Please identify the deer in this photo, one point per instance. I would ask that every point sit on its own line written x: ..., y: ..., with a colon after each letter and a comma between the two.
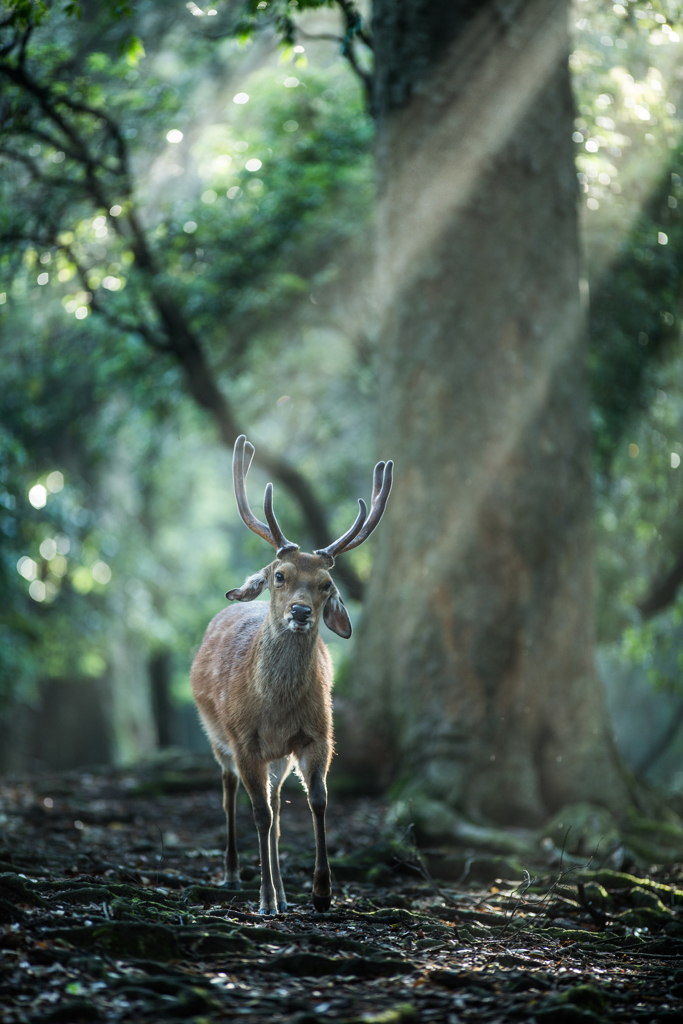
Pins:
x: 262, y: 682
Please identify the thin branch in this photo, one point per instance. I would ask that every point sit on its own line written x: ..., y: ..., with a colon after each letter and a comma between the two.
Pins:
x: 528, y: 880
x: 320, y: 36
x: 663, y: 592
x: 365, y: 77
x: 49, y: 180
x: 354, y: 22
x: 24, y: 45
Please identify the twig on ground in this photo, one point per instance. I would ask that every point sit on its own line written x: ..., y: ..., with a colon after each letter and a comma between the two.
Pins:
x: 160, y: 860
x: 526, y: 883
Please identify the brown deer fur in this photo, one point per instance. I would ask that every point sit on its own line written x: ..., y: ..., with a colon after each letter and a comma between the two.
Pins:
x: 262, y: 683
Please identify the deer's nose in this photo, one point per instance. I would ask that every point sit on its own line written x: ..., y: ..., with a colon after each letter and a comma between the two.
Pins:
x: 300, y: 612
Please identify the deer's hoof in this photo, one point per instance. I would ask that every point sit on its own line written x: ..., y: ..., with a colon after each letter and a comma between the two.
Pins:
x: 232, y: 883
x: 322, y: 903
x: 282, y: 907
x: 267, y: 912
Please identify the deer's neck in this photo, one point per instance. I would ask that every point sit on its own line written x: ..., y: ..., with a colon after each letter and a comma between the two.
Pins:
x: 286, y: 660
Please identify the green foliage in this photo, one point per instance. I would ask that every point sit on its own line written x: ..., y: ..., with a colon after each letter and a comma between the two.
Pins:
x: 630, y: 165
x: 105, y: 225
x: 628, y: 158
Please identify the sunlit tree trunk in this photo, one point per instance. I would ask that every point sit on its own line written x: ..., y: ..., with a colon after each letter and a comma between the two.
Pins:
x: 475, y: 657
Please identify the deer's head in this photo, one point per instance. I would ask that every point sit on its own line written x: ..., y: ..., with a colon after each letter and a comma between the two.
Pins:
x: 301, y: 588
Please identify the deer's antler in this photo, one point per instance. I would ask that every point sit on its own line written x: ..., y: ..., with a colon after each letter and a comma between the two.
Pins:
x: 241, y: 461
x: 362, y: 528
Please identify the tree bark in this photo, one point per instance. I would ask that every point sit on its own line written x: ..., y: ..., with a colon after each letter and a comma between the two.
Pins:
x: 162, y: 705
x: 475, y: 654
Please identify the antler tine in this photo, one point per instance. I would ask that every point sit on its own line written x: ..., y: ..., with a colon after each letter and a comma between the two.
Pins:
x: 377, y: 478
x: 279, y: 540
x: 333, y: 549
x: 248, y: 456
x: 240, y: 468
x: 382, y: 479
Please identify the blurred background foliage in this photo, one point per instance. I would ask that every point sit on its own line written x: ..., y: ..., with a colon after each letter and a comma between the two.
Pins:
x: 186, y: 204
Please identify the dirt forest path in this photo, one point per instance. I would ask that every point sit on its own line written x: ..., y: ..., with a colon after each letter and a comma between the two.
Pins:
x: 111, y: 910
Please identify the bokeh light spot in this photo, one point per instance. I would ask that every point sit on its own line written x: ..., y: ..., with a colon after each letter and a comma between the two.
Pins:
x: 27, y: 568
x: 241, y: 97
x: 101, y: 572
x: 633, y: 451
x: 63, y: 544
x: 38, y: 496
x: 48, y: 548
x: 174, y: 136
x: 55, y: 481
x: 189, y: 227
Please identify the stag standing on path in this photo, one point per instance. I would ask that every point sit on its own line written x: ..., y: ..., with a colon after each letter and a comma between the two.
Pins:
x: 262, y: 682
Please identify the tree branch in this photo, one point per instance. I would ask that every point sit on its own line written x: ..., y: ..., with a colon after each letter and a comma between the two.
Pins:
x: 354, y: 22
x: 182, y: 344
x: 663, y: 592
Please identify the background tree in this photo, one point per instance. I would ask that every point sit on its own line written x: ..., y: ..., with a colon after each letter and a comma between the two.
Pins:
x: 476, y: 653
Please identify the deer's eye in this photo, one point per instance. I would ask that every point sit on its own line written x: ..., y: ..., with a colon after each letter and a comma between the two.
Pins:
x: 326, y: 586
x: 279, y: 577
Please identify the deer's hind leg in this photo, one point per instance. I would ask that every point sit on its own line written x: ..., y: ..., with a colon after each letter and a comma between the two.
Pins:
x: 231, y: 782
x: 279, y: 770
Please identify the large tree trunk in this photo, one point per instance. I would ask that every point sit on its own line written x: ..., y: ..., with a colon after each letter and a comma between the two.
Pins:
x: 475, y: 656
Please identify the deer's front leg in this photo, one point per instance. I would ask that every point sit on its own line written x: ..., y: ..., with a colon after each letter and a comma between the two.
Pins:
x: 254, y: 776
x: 279, y: 770
x: 313, y: 763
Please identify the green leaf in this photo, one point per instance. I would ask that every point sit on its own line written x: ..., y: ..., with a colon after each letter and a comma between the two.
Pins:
x: 132, y: 50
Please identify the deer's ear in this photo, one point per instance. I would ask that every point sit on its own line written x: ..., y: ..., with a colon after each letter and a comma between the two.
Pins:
x: 335, y: 615
x: 251, y: 588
